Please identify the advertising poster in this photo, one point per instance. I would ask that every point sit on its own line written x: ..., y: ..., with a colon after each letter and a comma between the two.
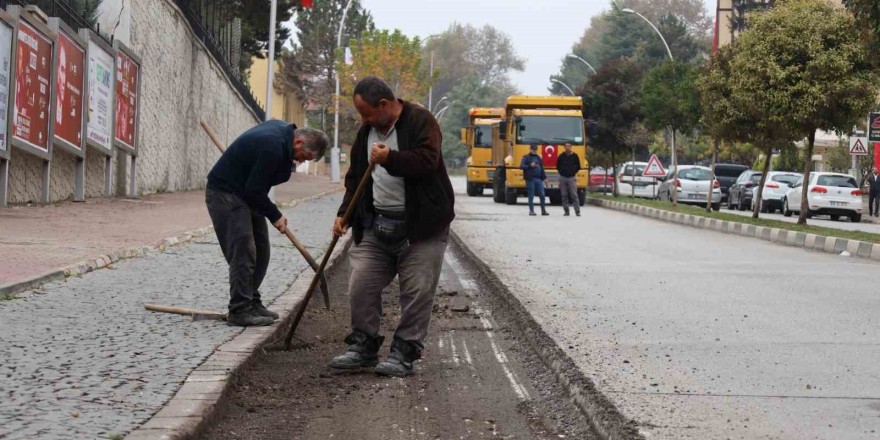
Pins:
x: 100, y: 96
x: 32, y: 77
x: 69, y: 81
x: 126, y: 99
x: 5, y: 70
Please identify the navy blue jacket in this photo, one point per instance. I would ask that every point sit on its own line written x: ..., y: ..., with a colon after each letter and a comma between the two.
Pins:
x: 259, y: 159
x: 530, y: 173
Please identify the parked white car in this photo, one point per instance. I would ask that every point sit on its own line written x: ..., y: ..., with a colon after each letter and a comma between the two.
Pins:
x: 832, y: 194
x: 631, y: 182
x: 777, y: 185
x: 694, y: 185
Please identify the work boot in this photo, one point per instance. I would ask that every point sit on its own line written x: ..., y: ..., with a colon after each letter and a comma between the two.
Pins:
x: 400, y: 361
x: 566, y: 212
x: 544, y: 212
x: 363, y: 351
x: 247, y: 318
x: 261, y: 310
x: 577, y: 213
x: 532, y: 213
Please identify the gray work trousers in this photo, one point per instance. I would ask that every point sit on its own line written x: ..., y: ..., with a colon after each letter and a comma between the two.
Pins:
x: 374, y: 265
x: 568, y: 190
x: 244, y: 240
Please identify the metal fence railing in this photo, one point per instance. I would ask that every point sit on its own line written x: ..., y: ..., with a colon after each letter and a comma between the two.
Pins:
x: 213, y: 21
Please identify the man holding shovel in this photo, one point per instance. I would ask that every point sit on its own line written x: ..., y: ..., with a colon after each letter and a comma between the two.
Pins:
x: 401, y: 225
x: 238, y: 202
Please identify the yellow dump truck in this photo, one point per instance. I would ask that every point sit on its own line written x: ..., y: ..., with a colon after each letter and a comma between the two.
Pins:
x: 548, y: 122
x: 478, y: 138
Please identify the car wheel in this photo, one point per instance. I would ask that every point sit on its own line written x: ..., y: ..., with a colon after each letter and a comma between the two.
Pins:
x: 716, y: 206
x: 785, y: 211
x: 741, y: 205
x: 835, y: 218
x: 765, y: 207
x: 855, y: 218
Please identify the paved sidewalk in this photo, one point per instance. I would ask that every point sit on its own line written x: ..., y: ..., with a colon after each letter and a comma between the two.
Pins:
x: 83, y: 359
x: 38, y: 239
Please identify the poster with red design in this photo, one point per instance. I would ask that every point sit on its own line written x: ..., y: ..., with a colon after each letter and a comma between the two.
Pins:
x: 5, y: 73
x: 549, y: 154
x: 127, y: 77
x: 33, y: 71
x: 69, y: 84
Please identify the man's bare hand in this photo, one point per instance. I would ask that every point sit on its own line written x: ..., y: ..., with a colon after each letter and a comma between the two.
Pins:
x: 339, y: 228
x: 379, y: 154
x: 281, y: 224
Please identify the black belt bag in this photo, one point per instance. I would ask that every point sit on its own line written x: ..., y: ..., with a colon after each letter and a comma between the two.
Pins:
x: 390, y: 228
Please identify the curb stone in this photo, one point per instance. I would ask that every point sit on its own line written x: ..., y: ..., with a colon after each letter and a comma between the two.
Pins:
x: 102, y: 261
x: 582, y: 392
x: 201, y: 397
x: 831, y: 245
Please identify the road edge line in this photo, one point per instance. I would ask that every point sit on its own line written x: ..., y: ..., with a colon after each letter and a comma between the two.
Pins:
x: 828, y: 244
x: 203, y: 395
x: 605, y: 418
x: 103, y: 261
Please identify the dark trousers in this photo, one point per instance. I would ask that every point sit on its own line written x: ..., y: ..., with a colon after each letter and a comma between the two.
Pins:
x: 244, y: 239
x: 568, y: 189
x: 874, y: 203
x: 535, y: 187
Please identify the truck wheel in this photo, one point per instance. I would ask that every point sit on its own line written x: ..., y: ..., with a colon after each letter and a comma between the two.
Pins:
x: 471, y: 190
x: 510, y: 196
x: 498, y: 191
x: 582, y: 197
x: 479, y: 190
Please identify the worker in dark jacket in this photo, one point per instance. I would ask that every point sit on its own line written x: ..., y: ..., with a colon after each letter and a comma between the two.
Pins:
x: 874, y: 193
x: 401, y: 226
x: 534, y: 175
x: 238, y: 202
x: 568, y: 164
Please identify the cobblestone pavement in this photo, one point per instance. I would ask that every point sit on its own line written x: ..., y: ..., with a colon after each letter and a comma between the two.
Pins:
x: 83, y: 359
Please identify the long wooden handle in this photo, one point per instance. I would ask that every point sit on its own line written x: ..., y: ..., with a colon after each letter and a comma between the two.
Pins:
x: 314, y: 264
x: 177, y: 310
x: 362, y: 185
x: 212, y: 136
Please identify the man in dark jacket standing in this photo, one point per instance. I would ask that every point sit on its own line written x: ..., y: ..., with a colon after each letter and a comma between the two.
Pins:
x: 238, y: 202
x: 568, y: 164
x: 874, y: 194
x: 401, y: 226
x: 534, y: 175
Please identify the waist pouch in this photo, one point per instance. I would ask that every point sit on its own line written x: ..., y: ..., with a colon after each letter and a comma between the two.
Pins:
x: 389, y: 228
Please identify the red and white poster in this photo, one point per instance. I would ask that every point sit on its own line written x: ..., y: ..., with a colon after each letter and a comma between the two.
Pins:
x: 127, y: 77
x: 33, y: 71
x: 69, y: 84
x: 549, y: 154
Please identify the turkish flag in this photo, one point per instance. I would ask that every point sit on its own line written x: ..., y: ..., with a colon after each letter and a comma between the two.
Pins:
x: 307, y: 3
x: 549, y: 154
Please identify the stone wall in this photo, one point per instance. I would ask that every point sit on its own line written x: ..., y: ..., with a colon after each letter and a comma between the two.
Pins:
x: 181, y: 86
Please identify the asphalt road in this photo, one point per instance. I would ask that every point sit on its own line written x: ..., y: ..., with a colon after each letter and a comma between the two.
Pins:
x: 695, y: 334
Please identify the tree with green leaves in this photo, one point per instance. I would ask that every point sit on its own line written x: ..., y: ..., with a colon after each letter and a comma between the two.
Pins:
x: 87, y: 9
x: 792, y: 87
x: 612, y: 97
x: 867, y: 13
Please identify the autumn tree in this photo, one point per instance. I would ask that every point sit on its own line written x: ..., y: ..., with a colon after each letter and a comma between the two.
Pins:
x: 820, y: 80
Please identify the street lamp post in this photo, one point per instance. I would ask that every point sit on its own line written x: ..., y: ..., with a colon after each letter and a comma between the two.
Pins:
x: 671, y: 129
x: 563, y: 85
x: 431, y: 87
x: 334, y: 153
x: 571, y: 55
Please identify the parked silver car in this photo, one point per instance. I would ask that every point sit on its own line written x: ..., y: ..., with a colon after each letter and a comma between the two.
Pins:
x: 694, y: 184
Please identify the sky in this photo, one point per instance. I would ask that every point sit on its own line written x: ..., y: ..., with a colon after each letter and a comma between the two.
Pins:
x: 543, y: 31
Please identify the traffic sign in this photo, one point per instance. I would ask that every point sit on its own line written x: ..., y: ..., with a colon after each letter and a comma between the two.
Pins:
x: 858, y: 146
x: 874, y: 127
x: 654, y: 169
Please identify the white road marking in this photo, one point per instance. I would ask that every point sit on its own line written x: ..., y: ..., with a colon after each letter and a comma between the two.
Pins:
x: 455, y: 357
x: 467, y: 353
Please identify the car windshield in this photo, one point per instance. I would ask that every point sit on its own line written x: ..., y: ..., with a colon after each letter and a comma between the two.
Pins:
x: 787, y: 179
x: 695, y: 174
x: 629, y: 170
x: 550, y: 130
x: 483, y: 136
x: 728, y: 172
x: 842, y: 181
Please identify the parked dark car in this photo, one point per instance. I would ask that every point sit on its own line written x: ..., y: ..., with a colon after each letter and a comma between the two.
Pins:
x: 739, y: 195
x: 727, y: 173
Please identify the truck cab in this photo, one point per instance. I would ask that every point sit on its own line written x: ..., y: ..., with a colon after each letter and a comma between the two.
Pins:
x: 478, y: 138
x: 548, y: 122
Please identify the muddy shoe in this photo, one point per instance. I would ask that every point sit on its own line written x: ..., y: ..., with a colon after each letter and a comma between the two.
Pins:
x: 261, y: 310
x: 247, y: 318
x: 400, y: 361
x: 363, y: 351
